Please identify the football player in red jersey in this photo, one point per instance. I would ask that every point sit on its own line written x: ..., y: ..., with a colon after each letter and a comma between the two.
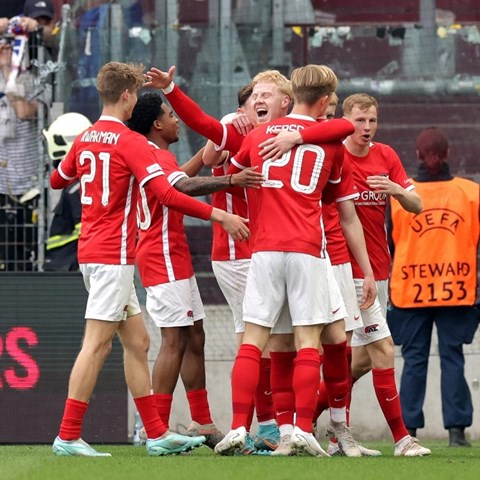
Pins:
x: 271, y: 99
x: 288, y: 255
x: 378, y: 173
x: 111, y: 161
x: 165, y: 266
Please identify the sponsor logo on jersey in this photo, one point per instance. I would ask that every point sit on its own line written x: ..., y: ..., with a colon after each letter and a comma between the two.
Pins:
x: 372, y: 328
x: 154, y: 168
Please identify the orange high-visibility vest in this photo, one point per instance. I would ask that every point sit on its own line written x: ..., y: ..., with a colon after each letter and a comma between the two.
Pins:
x: 435, y: 259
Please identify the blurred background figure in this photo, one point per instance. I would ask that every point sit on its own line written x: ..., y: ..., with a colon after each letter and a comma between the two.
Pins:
x: 61, y: 248
x: 434, y: 282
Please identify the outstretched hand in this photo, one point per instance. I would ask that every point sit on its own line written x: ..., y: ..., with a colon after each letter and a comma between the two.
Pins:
x: 156, y: 78
x: 275, y: 147
x: 248, y: 178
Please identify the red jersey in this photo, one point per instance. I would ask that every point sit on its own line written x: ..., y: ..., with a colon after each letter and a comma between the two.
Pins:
x: 334, y: 193
x: 285, y: 213
x: 110, y: 160
x: 371, y: 206
x: 162, y: 252
x: 224, y: 247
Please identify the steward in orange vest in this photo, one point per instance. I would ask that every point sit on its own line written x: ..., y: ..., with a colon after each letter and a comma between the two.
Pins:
x: 434, y: 281
x: 435, y: 262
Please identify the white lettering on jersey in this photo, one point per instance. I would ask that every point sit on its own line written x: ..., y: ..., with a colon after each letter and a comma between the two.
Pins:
x: 278, y: 128
x: 100, y: 137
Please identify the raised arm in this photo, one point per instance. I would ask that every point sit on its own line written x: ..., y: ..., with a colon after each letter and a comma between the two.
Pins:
x: 191, y: 113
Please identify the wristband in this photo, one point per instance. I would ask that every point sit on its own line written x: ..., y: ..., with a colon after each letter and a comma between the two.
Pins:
x: 168, y: 89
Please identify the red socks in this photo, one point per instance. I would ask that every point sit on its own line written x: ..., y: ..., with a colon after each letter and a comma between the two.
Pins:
x: 152, y: 422
x: 163, y: 402
x: 263, y: 394
x: 71, y: 426
x: 387, y: 395
x: 335, y: 374
x: 282, y: 366
x: 306, y: 378
x: 245, y: 378
x: 199, y: 408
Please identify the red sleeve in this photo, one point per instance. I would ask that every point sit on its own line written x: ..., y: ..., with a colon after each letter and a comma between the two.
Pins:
x: 194, y: 117
x: 65, y: 174
x: 328, y: 131
x: 226, y: 136
x: 336, y: 173
x: 170, y: 197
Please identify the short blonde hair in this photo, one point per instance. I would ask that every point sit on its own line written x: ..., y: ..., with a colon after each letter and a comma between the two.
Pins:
x: 361, y: 100
x: 311, y: 82
x: 333, y: 100
x: 274, y: 76
x: 116, y: 77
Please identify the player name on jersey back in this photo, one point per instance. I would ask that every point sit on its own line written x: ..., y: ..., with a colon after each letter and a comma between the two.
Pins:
x: 96, y: 136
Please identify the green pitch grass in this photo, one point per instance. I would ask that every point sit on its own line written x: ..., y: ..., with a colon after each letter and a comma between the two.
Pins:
x: 37, y: 462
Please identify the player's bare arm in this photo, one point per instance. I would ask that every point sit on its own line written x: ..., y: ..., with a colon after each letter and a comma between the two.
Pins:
x: 211, y: 156
x: 156, y: 78
x: 247, y: 178
x: 409, y: 199
x: 194, y: 165
x: 353, y: 232
x: 233, y: 224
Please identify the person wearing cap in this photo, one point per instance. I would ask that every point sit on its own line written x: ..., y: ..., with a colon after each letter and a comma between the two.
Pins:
x: 36, y: 14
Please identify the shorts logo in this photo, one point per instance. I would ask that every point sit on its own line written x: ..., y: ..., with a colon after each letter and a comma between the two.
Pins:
x: 125, y: 309
x: 190, y: 314
x: 372, y: 328
x: 356, y: 318
x: 335, y: 311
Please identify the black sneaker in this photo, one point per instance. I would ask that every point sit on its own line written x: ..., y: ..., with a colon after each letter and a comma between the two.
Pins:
x: 457, y: 437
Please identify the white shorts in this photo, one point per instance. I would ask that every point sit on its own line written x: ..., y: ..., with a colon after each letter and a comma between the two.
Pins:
x: 175, y: 304
x: 375, y: 325
x: 111, y: 292
x: 344, y: 277
x: 303, y: 279
x: 231, y: 277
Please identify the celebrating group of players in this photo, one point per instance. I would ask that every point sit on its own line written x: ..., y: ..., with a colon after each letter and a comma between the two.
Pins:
x: 306, y: 275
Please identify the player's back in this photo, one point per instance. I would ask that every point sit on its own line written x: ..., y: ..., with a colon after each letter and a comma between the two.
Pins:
x: 286, y: 212
x: 107, y: 157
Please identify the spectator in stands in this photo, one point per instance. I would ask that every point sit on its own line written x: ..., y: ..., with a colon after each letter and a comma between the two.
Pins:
x: 19, y: 159
x: 433, y: 281
x: 36, y: 14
